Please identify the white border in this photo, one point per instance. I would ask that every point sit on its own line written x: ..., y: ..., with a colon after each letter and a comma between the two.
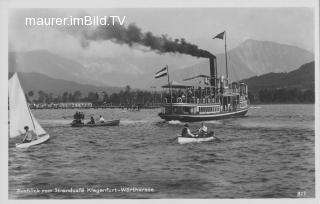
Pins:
x: 158, y: 3
x: 6, y: 4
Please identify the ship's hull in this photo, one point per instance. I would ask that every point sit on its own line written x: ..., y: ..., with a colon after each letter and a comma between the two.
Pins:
x: 204, y: 117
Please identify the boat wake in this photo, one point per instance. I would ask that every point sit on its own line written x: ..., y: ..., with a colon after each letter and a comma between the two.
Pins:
x: 54, y: 123
x: 175, y: 122
x: 255, y: 107
x: 213, y: 122
x: 129, y: 122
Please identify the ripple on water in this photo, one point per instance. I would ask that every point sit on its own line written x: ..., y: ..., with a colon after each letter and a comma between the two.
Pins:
x: 270, y: 153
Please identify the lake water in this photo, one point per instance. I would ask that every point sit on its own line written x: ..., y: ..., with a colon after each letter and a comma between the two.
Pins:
x: 267, y: 154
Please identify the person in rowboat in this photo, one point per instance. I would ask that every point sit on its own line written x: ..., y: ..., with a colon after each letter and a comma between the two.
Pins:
x: 28, y: 135
x: 91, y: 120
x: 203, y: 130
x: 186, y: 132
x: 101, y: 119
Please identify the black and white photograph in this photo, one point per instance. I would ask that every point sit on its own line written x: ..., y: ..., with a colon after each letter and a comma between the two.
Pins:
x: 164, y: 101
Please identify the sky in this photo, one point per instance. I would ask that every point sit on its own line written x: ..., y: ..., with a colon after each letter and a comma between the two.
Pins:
x: 292, y: 26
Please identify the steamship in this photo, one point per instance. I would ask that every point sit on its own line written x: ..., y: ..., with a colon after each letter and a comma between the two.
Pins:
x: 214, y: 99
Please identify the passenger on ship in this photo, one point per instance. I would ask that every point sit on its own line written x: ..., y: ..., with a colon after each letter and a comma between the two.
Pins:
x: 186, y: 132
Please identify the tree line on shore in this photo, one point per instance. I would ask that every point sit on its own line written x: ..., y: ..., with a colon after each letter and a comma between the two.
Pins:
x: 129, y: 97
x: 283, y: 95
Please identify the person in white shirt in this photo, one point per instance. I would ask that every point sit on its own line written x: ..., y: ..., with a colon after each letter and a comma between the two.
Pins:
x: 101, y: 119
x: 203, y: 130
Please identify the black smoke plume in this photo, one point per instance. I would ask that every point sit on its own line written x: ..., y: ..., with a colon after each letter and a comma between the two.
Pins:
x: 132, y: 35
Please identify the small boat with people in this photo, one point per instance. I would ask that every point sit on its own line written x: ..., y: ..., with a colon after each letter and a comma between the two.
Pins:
x: 22, y: 122
x: 79, y: 117
x: 185, y: 140
x: 201, y: 135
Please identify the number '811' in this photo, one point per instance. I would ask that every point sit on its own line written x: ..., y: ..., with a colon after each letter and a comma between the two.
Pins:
x: 301, y: 194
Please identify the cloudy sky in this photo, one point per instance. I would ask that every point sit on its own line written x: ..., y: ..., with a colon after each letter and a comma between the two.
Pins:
x: 292, y: 26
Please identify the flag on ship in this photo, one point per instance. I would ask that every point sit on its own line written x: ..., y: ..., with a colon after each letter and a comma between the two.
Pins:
x: 161, y: 73
x: 220, y: 35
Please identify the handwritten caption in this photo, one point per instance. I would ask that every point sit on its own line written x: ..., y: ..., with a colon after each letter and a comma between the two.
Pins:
x: 86, y: 190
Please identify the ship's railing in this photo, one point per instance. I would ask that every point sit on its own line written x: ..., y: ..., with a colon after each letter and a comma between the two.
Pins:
x: 193, y: 100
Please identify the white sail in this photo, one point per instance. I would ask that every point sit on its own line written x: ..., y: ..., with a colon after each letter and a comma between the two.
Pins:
x: 19, y: 112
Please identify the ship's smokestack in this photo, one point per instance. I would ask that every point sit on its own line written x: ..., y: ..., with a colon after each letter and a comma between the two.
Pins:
x: 213, y: 70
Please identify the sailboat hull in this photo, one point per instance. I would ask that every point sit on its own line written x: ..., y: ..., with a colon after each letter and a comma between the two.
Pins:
x: 41, y: 140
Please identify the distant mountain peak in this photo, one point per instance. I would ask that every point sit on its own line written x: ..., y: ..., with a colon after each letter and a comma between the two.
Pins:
x: 253, y: 42
x: 254, y: 58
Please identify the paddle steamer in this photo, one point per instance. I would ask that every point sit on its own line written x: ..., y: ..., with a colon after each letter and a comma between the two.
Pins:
x: 214, y: 99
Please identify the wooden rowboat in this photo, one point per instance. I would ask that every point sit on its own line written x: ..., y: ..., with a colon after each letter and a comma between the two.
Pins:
x: 98, y: 124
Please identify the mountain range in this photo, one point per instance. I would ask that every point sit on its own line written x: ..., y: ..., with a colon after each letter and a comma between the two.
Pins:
x: 302, y: 78
x: 251, y: 58
x: 35, y: 82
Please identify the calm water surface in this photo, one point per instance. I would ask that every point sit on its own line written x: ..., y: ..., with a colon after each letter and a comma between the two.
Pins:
x: 268, y: 153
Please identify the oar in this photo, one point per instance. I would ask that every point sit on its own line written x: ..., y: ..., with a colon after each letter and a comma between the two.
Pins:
x: 173, y: 139
x: 218, y: 139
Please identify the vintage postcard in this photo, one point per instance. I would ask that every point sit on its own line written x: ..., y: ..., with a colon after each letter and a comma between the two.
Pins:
x: 161, y: 100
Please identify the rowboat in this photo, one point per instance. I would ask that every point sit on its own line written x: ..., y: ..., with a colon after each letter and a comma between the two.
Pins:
x: 98, y: 124
x: 185, y: 140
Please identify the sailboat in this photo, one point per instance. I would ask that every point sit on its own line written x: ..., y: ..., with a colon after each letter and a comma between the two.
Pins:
x: 21, y: 116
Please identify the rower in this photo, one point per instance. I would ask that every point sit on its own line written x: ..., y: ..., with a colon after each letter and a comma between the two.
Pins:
x: 186, y: 132
x: 101, y: 119
x: 91, y: 120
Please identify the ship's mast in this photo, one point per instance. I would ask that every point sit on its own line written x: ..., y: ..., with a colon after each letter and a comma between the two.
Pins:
x: 225, y: 53
x: 170, y: 89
